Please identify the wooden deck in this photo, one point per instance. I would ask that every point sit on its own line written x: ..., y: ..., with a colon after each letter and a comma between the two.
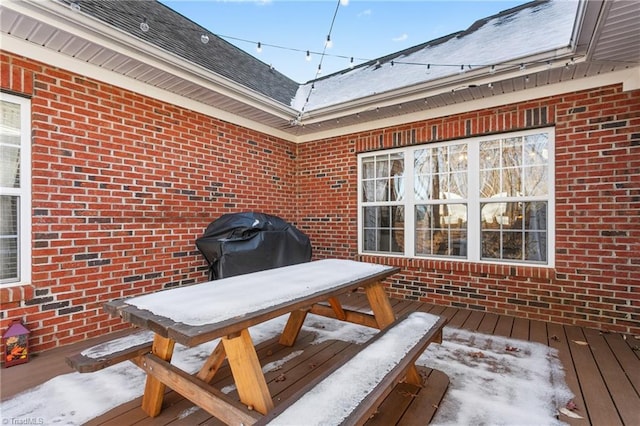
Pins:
x: 601, y: 369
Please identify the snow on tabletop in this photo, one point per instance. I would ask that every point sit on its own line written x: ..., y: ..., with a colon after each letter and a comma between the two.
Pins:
x: 333, y: 399
x: 220, y: 300
x: 532, y: 30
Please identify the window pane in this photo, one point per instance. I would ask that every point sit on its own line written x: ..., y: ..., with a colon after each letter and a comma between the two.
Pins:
x: 10, y: 145
x: 535, y: 225
x: 397, y: 177
x: 423, y: 180
x: 383, y: 229
x: 511, y: 152
x: 9, y: 166
x: 511, y: 182
x: 535, y: 181
x: 441, y: 229
x: 512, y: 245
x: 9, y: 238
x: 368, y: 168
x: 536, y: 149
x: 441, y: 173
x: 490, y: 154
x: 490, y: 183
x: 514, y: 231
x: 368, y: 191
x: 383, y: 178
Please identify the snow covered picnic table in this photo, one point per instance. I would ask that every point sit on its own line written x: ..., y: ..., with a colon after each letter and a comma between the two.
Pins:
x: 226, y: 309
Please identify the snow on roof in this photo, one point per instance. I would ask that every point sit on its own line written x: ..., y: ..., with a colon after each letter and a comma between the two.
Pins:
x: 516, y: 33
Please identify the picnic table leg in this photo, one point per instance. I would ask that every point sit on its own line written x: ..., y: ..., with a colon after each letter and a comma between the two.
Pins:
x: 212, y: 364
x: 247, y: 372
x: 383, y: 311
x: 380, y: 304
x: 293, y: 326
x: 154, y: 388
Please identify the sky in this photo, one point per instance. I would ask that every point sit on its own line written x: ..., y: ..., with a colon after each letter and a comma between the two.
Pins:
x: 360, y: 29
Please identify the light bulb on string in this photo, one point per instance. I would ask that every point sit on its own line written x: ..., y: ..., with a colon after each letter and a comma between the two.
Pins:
x: 329, y: 43
x: 75, y: 6
x: 308, y: 57
x: 351, y: 63
x: 319, y: 69
x: 144, y: 25
x: 259, y: 47
x: 204, y: 39
x: 344, y: 2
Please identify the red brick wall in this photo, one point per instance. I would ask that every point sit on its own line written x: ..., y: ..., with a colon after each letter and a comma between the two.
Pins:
x: 596, y: 280
x: 122, y: 186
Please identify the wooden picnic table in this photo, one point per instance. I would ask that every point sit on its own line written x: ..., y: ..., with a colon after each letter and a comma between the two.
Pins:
x: 226, y: 309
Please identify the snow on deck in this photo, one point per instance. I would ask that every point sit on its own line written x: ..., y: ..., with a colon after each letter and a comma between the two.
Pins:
x: 333, y: 399
x: 220, y: 300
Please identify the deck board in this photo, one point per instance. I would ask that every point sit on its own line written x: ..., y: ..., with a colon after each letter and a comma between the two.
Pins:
x: 596, y: 396
x: 603, y: 374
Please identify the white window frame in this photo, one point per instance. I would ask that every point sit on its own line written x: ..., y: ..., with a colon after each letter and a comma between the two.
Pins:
x: 24, y: 192
x: 473, y: 179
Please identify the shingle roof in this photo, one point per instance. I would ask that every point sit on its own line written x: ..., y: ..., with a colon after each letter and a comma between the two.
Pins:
x: 174, y: 33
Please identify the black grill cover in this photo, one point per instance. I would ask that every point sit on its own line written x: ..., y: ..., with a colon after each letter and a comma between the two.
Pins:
x: 239, y: 243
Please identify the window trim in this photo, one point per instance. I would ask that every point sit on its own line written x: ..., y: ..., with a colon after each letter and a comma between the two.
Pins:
x: 24, y: 192
x: 474, y: 225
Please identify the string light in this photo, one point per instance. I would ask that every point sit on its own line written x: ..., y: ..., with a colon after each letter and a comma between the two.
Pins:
x: 308, y: 57
x: 204, y: 39
x: 351, y: 63
x: 259, y: 47
x: 75, y: 6
x: 329, y: 43
x: 144, y: 25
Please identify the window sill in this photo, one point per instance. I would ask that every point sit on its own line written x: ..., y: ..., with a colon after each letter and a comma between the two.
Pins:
x: 527, y: 271
x: 16, y: 293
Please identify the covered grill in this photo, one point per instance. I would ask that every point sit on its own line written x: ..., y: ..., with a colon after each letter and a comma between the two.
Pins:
x: 239, y: 243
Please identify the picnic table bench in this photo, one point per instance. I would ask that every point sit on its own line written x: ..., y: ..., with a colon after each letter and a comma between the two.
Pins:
x: 366, y: 379
x: 227, y: 308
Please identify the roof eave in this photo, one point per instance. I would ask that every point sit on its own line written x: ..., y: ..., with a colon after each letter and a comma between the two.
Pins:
x: 97, y: 31
x: 431, y: 88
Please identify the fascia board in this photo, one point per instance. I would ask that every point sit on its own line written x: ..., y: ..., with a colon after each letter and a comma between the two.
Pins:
x: 95, y: 31
x: 44, y: 55
x: 630, y: 79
